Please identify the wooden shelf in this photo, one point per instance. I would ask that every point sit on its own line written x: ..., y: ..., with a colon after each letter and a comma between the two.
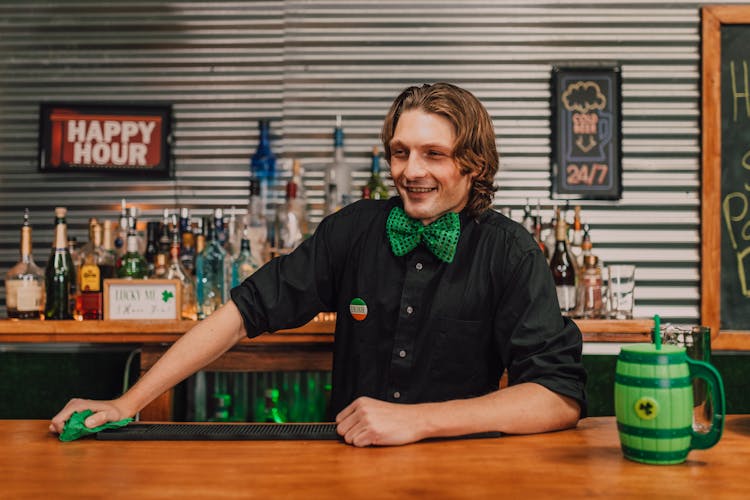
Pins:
x: 316, y: 331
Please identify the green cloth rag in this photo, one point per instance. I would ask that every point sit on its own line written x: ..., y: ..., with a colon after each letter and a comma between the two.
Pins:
x: 75, y: 428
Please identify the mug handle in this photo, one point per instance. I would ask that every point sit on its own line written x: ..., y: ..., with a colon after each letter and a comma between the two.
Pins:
x: 699, y: 369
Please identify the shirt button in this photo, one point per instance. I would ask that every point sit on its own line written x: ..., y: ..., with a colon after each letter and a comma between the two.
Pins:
x: 419, y: 266
x: 401, y: 353
x: 396, y: 395
x: 409, y: 309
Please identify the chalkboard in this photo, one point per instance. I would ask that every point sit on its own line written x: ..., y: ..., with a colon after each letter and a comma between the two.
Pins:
x: 725, y: 211
x: 585, y: 125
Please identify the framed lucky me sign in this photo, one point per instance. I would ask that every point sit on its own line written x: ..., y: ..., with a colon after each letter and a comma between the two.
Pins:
x: 132, y: 138
x: 586, y: 151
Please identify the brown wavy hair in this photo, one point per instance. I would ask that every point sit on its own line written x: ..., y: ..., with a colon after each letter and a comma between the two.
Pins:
x: 475, y: 151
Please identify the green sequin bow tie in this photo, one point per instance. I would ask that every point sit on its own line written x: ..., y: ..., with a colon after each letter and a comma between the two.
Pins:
x: 440, y: 237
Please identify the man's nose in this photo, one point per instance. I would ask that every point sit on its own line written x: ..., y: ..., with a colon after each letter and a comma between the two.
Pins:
x: 414, y: 167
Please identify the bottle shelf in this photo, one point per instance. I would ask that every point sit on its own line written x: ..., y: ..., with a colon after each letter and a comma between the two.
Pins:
x: 318, y: 331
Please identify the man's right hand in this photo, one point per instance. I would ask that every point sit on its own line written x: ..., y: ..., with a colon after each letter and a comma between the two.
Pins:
x: 104, y: 411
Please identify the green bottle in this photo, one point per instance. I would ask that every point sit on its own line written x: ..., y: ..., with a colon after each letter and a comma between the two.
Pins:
x: 133, y: 265
x: 375, y: 188
x: 60, y: 272
x: 272, y: 412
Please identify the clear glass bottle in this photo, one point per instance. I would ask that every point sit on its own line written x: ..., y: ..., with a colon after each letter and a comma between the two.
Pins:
x: 255, y: 224
x: 538, y: 234
x: 211, y: 270
x: 60, y: 273
x: 108, y: 232
x: 576, y: 235
x: 233, y: 230
x: 563, y: 269
x: 187, y: 241
x: 244, y: 264
x: 549, y: 235
x: 291, y: 222
x: 338, y: 176
x: 24, y: 282
x: 121, y: 234
x: 175, y: 270
x: 591, y: 297
x: 375, y: 188
x: 528, y: 221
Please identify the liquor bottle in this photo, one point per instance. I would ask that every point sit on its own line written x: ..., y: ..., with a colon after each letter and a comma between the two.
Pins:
x: 175, y: 270
x: 528, y: 221
x: 133, y: 265
x: 108, y: 231
x: 590, y: 298
x: 338, y: 176
x: 59, y: 274
x: 75, y: 256
x: 121, y: 236
x: 152, y: 245
x: 161, y: 260
x: 233, y: 231
x: 24, y: 282
x: 538, y: 234
x: 211, y: 270
x: 263, y: 164
x: 576, y: 235
x: 187, y: 242
x: 300, y: 201
x: 586, y: 246
x: 96, y: 265
x: 199, y: 232
x: 549, y: 237
x: 244, y: 264
x: 375, y: 188
x: 291, y: 222
x: 563, y: 269
x: 256, y: 224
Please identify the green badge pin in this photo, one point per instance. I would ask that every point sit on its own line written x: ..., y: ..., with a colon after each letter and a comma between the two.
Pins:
x: 358, y: 309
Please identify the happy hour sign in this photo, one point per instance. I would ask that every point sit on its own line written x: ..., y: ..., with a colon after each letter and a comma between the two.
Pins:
x: 104, y: 137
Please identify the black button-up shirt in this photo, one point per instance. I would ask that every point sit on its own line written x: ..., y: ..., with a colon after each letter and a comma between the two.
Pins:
x: 428, y: 330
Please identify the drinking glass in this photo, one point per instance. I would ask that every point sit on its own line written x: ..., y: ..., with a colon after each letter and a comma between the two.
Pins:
x: 620, y: 291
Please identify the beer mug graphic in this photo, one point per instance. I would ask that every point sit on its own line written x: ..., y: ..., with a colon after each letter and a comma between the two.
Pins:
x: 654, y: 403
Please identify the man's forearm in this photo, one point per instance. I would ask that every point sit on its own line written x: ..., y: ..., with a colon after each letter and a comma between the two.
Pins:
x: 520, y: 409
x: 202, y: 344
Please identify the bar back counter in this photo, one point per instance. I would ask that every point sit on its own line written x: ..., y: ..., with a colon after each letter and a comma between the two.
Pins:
x: 307, y: 348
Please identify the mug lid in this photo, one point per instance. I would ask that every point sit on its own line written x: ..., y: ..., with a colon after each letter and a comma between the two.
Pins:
x: 639, y: 353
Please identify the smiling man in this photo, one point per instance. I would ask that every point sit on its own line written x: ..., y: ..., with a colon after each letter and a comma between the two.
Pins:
x: 436, y: 295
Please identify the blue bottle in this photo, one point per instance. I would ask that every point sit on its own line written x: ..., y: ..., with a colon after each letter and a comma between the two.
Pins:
x: 211, y: 271
x: 263, y: 162
x: 263, y: 170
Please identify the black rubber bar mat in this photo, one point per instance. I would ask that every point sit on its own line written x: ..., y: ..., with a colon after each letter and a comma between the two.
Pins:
x: 220, y: 432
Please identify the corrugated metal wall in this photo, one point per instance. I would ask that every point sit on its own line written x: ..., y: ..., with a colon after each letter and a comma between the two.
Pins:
x: 223, y: 65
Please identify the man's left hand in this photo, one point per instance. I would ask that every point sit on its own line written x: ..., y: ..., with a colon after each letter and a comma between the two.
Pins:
x: 368, y: 421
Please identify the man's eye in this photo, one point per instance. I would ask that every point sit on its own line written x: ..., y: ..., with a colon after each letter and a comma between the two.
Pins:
x: 435, y: 153
x: 399, y: 153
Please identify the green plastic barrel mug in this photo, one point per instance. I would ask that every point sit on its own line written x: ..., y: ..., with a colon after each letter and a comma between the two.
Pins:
x: 654, y: 403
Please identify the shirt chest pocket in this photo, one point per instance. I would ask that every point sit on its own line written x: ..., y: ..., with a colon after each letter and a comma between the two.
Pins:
x: 462, y: 354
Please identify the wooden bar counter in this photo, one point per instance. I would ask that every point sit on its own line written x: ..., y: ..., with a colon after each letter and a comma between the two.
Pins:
x: 577, y: 463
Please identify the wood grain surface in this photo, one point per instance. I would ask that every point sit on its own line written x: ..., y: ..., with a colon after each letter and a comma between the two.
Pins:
x: 577, y: 463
